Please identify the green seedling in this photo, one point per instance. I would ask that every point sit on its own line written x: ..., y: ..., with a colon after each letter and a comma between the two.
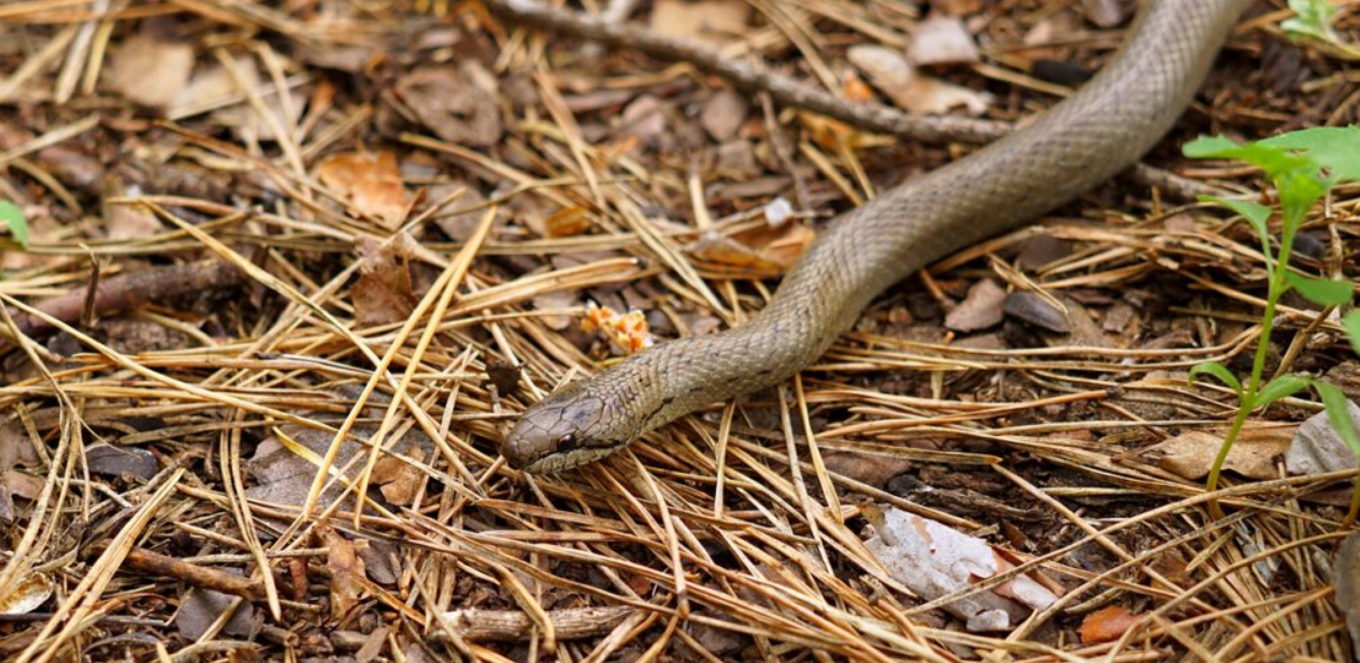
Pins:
x: 12, y: 219
x: 1312, y: 21
x: 1302, y: 166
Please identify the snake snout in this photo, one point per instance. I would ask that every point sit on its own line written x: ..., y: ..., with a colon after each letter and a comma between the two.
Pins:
x: 556, y: 434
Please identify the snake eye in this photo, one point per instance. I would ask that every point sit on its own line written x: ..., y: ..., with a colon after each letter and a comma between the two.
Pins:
x: 566, y: 443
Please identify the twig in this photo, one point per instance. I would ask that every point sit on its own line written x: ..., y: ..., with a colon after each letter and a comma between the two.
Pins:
x: 156, y: 564
x: 130, y: 291
x: 756, y: 77
x: 513, y: 625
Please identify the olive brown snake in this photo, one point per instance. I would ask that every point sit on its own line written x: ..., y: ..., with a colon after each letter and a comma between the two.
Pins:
x: 1079, y: 143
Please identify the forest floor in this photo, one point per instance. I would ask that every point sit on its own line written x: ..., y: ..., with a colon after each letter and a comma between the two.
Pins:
x: 386, y: 224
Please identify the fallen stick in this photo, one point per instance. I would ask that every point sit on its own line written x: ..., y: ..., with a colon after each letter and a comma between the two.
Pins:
x: 755, y: 76
x: 131, y: 291
x: 512, y: 625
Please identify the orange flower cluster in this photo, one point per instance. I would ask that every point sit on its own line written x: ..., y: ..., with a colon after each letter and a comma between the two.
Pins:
x: 627, y: 332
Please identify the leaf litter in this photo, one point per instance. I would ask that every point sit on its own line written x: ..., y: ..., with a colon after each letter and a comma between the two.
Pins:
x: 354, y: 167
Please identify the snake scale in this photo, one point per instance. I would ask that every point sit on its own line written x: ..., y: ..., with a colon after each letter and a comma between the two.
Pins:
x: 1074, y: 146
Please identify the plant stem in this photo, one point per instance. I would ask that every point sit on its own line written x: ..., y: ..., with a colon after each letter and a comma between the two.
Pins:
x: 1248, y: 399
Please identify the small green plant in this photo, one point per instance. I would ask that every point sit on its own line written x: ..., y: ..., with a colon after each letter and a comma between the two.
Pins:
x: 1312, y: 20
x: 1303, y: 166
x: 12, y: 218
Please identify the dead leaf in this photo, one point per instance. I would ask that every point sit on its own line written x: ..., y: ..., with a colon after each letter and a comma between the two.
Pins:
x: 149, y: 71
x: 458, y: 225
x: 347, y: 571
x: 203, y: 607
x: 1346, y: 579
x: 1105, y: 13
x: 449, y: 102
x: 383, y: 293
x: 399, y: 481
x: 759, y: 250
x: 644, y: 119
x: 894, y: 76
x: 711, y: 21
x: 27, y: 595
x: 1191, y: 455
x: 942, y: 40
x: 1316, y: 448
x: 1037, y: 311
x: 1106, y: 625
x: 934, y: 560
x: 723, y: 115
x: 980, y: 309
x: 370, y: 183
x: 872, y: 469
x: 109, y: 460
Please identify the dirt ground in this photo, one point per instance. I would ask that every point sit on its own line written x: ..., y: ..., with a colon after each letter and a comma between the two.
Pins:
x: 339, y: 246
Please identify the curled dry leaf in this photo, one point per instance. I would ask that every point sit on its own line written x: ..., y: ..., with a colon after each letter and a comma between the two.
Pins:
x: 627, y: 332
x: 383, y: 293
x: 759, y: 251
x: 347, y: 571
x: 149, y: 71
x: 980, y: 309
x: 711, y: 21
x: 371, y: 183
x: 934, y: 560
x: 451, y: 104
x: 27, y: 595
x: 1106, y: 625
x: 896, y: 77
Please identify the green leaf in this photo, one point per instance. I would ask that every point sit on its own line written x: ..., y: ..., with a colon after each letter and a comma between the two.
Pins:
x: 1312, y: 18
x: 1325, y: 292
x: 1255, y: 214
x: 1338, y: 413
x: 1299, y: 191
x: 1275, y: 161
x: 13, y: 218
x: 1219, y: 371
x: 1335, y: 148
x: 1281, y: 387
x: 1351, y: 323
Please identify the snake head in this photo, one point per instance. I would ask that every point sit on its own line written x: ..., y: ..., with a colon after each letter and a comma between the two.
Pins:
x: 559, y: 433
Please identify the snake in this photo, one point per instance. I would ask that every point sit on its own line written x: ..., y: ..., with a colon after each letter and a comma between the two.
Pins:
x: 1100, y: 130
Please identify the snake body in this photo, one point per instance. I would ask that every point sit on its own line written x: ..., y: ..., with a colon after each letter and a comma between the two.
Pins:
x: 1079, y: 143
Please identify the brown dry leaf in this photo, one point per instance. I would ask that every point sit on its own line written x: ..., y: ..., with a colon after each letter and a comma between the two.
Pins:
x: 712, y: 21
x: 347, y: 571
x: 982, y: 308
x: 450, y: 103
x: 383, y: 292
x: 894, y: 76
x: 399, y: 480
x: 371, y: 183
x: 873, y: 469
x: 1253, y: 455
x: 1106, y: 624
x: 723, y: 114
x: 149, y: 71
x: 759, y: 250
x: 942, y: 40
